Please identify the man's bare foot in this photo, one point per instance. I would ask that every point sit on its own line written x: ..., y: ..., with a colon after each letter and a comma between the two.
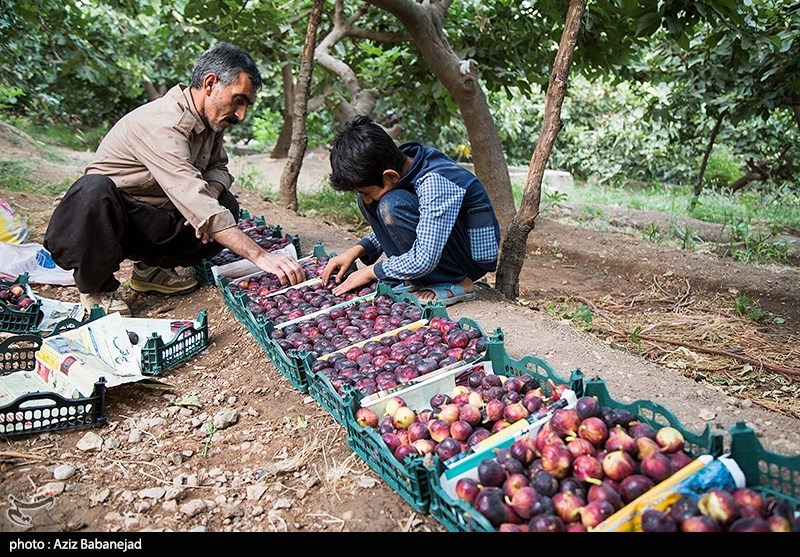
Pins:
x: 426, y: 295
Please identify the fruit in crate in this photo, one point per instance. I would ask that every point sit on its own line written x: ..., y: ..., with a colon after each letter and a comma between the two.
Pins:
x: 587, y: 462
x: 261, y: 236
x: 446, y: 423
x: 378, y: 364
x: 15, y: 297
x: 296, y: 302
x: 741, y: 510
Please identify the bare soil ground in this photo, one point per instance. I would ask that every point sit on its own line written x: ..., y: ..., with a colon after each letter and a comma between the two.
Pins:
x: 285, y: 464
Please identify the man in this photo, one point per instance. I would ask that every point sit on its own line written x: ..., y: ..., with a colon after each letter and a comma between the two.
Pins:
x: 430, y: 216
x: 157, y: 191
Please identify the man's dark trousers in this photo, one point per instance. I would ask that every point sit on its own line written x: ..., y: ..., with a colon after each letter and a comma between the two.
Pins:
x: 97, y: 226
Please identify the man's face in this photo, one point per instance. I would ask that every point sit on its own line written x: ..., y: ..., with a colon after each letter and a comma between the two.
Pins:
x: 227, y: 104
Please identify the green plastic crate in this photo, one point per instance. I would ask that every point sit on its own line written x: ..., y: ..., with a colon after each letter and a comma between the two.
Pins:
x: 772, y: 474
x: 237, y: 303
x: 43, y: 411
x: 321, y: 390
x: 20, y: 320
x: 159, y: 356
x: 296, y: 364
x: 459, y: 516
x: 206, y: 276
x: 413, y: 478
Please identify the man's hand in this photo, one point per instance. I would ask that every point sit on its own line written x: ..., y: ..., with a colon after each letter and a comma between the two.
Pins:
x: 286, y: 268
x: 205, y: 238
x: 361, y: 277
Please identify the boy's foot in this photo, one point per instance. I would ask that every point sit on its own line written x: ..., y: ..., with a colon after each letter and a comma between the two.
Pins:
x: 145, y: 278
x: 109, y: 302
x: 446, y: 294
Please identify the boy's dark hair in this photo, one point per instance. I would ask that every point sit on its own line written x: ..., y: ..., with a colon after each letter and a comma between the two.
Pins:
x: 360, y: 153
x: 226, y: 61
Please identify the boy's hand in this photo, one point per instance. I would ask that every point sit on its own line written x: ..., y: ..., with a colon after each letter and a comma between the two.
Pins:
x: 340, y: 264
x: 361, y: 277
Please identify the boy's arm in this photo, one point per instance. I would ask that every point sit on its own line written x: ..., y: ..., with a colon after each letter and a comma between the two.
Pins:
x: 372, y: 249
x: 439, y: 204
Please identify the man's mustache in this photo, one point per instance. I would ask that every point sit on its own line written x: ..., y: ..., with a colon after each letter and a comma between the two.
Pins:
x: 232, y: 120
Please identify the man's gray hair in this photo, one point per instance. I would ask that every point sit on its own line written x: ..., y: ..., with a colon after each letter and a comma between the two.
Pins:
x: 226, y: 61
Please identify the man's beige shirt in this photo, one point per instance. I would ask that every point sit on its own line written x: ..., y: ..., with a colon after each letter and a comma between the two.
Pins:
x: 164, y: 155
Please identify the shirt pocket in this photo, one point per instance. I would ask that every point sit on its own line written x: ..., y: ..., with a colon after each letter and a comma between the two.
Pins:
x: 482, y: 238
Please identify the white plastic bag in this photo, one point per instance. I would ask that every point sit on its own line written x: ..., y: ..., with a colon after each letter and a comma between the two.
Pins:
x: 33, y: 259
x: 13, y: 228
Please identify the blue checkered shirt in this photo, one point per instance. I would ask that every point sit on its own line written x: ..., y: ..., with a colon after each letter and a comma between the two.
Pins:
x: 439, y: 205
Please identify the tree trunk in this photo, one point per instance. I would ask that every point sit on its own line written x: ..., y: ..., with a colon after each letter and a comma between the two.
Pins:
x: 512, y: 254
x: 299, y: 138
x: 751, y: 176
x: 698, y: 187
x: 154, y: 92
x: 281, y: 148
x: 796, y: 110
x: 423, y: 21
x: 359, y: 101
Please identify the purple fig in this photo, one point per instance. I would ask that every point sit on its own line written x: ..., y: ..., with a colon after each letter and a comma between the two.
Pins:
x: 654, y: 520
x: 523, y: 501
x: 657, y: 467
x: 489, y: 502
x: 467, y: 489
x: 634, y: 486
x: 491, y: 473
x: 700, y: 523
x: 603, y: 491
x: 719, y: 505
x: 595, y: 512
x: 749, y: 524
x: 684, y: 508
x: 546, y: 523
x: 587, y: 407
x: 545, y: 483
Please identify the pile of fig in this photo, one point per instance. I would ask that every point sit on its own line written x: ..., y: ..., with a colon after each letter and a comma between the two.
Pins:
x: 456, y: 421
x: 15, y: 296
x: 262, y: 235
x: 297, y: 302
x: 394, y: 359
x: 582, y: 466
x: 264, y: 284
x: 717, y: 510
x: 248, y: 223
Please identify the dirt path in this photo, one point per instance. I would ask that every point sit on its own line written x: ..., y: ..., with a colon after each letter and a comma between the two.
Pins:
x: 285, y: 464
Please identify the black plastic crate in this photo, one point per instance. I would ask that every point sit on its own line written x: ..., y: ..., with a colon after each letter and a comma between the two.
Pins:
x: 159, y: 356
x: 20, y: 320
x: 44, y: 411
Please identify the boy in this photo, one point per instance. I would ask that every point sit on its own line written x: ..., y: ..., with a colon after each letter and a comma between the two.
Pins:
x: 431, y: 217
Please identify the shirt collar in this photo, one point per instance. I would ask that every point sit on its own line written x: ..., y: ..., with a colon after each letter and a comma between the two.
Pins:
x: 417, y: 152
x: 185, y: 92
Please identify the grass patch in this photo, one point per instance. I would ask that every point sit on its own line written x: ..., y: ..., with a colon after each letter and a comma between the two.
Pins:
x: 63, y: 135
x: 15, y: 178
x: 752, y: 219
x: 337, y: 206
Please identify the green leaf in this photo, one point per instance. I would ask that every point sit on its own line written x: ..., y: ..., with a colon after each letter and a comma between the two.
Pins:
x: 648, y: 24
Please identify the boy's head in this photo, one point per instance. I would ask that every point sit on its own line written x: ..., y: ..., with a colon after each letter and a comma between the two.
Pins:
x: 363, y: 155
